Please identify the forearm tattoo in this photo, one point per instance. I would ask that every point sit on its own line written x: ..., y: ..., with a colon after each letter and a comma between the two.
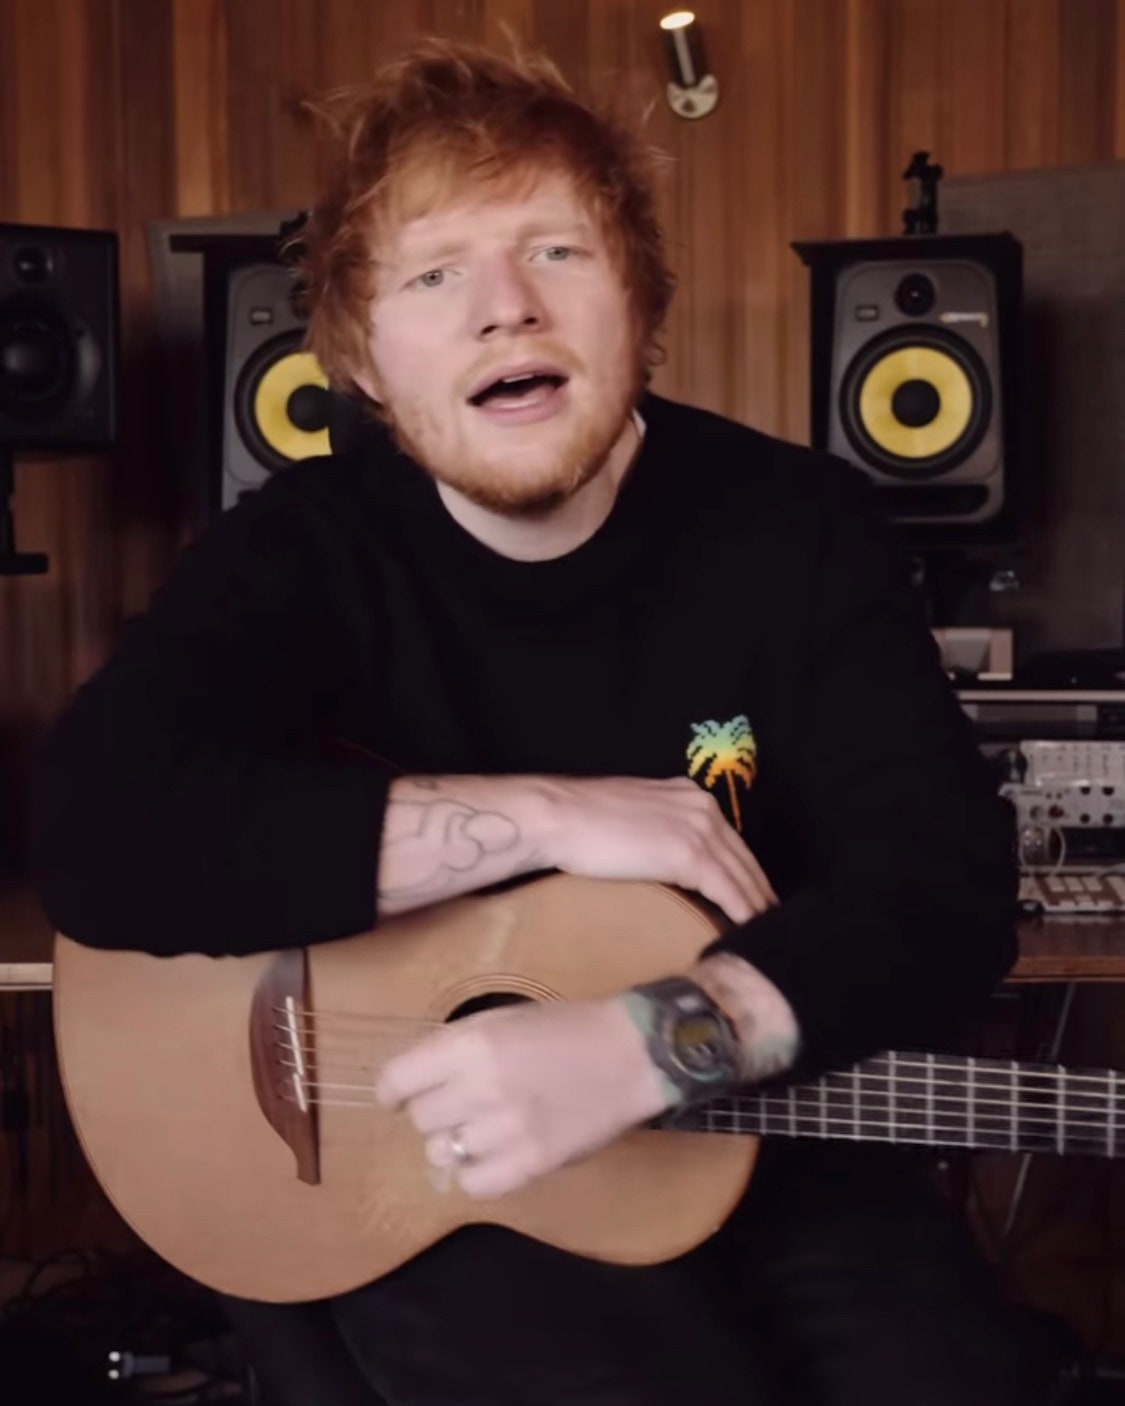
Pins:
x: 438, y: 845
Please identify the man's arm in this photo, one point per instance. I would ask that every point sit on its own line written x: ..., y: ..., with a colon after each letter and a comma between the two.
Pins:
x: 769, y: 1037
x: 178, y: 804
x: 448, y: 835
x: 181, y: 806
x: 908, y: 921
x: 443, y: 836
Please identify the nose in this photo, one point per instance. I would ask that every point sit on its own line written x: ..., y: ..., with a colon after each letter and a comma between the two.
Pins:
x: 507, y: 301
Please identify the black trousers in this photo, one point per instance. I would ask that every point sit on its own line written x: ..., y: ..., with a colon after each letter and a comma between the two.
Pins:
x: 844, y: 1279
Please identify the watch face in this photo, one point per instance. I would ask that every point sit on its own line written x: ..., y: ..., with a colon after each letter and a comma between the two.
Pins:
x: 697, y: 1043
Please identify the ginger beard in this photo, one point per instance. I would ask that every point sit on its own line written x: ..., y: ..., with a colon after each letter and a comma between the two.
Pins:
x: 522, y: 470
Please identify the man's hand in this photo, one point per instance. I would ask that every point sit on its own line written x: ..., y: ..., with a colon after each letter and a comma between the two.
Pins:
x: 667, y: 832
x: 508, y: 1095
x: 505, y: 1096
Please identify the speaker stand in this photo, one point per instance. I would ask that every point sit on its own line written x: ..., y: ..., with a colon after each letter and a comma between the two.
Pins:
x: 13, y: 563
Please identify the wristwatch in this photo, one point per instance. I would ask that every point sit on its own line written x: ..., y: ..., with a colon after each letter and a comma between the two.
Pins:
x: 689, y: 1037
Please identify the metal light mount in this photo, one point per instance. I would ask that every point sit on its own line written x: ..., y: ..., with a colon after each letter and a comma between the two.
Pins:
x: 693, y: 92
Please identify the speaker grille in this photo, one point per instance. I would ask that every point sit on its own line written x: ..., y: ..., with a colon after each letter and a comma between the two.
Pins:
x: 59, y: 337
x: 281, y: 403
x: 38, y: 362
x: 916, y: 402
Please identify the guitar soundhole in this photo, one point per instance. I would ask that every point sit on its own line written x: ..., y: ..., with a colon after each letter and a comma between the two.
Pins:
x: 490, y: 1001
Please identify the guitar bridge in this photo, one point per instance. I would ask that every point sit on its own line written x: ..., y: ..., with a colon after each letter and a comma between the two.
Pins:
x: 283, y: 1058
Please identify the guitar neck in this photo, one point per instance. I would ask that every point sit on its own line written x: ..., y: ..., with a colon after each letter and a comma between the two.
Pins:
x: 939, y: 1101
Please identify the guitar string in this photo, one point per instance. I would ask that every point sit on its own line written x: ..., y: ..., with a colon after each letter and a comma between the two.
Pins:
x: 313, y: 1026
x: 1026, y: 1114
x: 750, y: 1122
x: 979, y: 1076
x: 875, y: 1084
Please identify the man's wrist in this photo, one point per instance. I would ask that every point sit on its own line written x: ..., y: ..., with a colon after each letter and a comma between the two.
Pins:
x: 689, y: 1039
x: 769, y: 1036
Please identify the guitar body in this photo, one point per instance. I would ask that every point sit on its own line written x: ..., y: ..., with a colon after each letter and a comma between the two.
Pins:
x: 156, y: 1056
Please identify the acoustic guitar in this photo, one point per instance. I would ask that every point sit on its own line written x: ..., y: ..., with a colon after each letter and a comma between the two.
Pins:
x: 224, y: 1104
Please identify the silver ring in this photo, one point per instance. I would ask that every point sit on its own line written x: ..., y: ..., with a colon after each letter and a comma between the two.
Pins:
x: 458, y: 1148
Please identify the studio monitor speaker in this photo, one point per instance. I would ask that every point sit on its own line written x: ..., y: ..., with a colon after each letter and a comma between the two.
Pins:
x: 915, y: 374
x: 276, y: 402
x: 59, y: 338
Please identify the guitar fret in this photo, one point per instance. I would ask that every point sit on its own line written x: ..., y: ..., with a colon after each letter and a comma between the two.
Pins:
x: 941, y: 1100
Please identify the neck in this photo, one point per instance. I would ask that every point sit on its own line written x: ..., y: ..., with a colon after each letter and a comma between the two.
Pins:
x: 559, y: 530
x: 940, y: 1101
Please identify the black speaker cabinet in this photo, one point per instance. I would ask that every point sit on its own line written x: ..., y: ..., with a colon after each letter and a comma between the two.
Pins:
x: 276, y: 403
x: 916, y: 376
x: 59, y: 338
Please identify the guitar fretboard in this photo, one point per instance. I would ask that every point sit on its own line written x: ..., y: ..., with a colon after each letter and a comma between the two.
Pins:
x: 936, y: 1100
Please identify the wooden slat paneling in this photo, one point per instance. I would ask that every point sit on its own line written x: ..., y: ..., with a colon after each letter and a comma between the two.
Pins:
x: 199, y: 87
x: 1032, y: 89
x: 973, y: 129
x: 1088, y: 80
x: 864, y: 119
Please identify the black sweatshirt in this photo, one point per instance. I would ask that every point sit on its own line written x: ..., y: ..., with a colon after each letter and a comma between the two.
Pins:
x: 742, y: 615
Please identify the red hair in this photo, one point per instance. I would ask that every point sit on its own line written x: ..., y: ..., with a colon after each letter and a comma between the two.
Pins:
x: 445, y: 114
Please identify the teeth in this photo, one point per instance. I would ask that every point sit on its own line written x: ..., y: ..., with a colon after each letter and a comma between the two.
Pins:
x: 515, y: 383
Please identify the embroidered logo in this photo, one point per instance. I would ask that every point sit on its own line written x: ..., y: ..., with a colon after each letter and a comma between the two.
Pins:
x: 724, y: 751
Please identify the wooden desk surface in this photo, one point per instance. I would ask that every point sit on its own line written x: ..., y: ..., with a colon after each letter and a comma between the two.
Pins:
x: 1071, y: 949
x: 1052, y: 949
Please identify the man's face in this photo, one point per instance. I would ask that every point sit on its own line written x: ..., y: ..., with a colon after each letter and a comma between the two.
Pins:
x: 487, y: 288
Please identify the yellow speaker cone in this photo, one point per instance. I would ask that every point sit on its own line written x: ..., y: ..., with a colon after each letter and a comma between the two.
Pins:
x: 271, y: 406
x: 933, y: 368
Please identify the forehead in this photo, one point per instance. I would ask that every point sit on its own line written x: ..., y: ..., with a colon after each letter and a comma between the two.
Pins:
x: 525, y: 203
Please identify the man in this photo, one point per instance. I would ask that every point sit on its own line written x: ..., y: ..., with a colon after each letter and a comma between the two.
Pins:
x: 572, y: 626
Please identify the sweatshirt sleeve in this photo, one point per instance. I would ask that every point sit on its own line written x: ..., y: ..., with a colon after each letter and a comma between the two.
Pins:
x: 908, y: 922
x: 185, y: 800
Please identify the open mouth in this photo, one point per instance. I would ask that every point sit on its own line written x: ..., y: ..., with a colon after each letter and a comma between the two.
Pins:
x: 527, y: 388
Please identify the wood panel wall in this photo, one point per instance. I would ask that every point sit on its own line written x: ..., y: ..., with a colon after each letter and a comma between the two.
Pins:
x: 117, y: 112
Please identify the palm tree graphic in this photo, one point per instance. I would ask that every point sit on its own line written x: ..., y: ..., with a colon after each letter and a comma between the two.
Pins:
x: 725, y: 749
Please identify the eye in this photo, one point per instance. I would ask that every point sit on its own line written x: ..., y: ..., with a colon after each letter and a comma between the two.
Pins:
x: 432, y: 278
x: 557, y: 253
